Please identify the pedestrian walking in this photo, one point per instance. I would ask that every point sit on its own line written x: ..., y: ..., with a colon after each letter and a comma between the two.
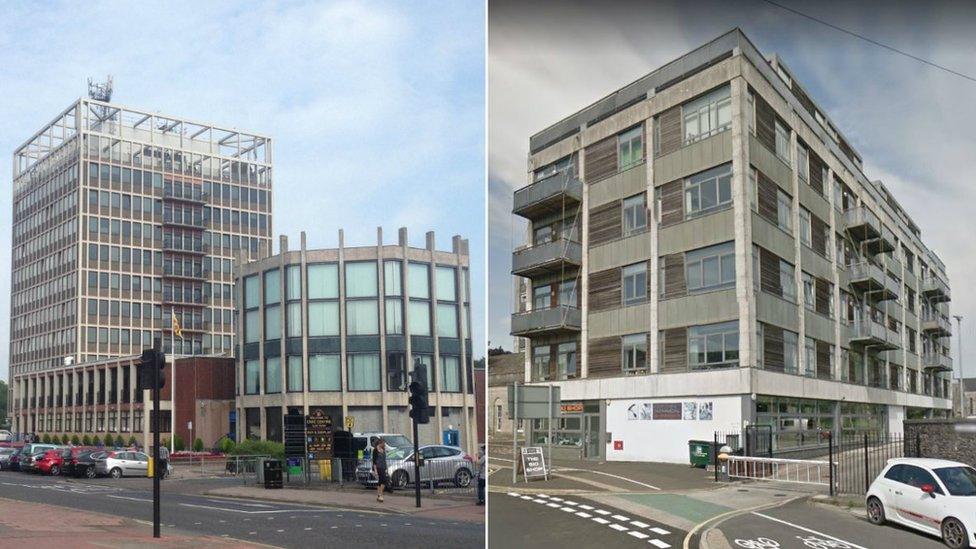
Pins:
x: 481, y: 474
x: 379, y: 467
x: 163, y: 461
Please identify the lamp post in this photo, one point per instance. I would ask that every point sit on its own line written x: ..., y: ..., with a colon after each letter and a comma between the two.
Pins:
x: 962, y: 406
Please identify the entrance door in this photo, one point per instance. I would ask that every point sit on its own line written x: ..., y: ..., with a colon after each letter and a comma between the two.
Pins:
x: 591, y: 436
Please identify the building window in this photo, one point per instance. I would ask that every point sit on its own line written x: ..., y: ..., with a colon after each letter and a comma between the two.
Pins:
x: 708, y: 190
x: 567, y: 293
x: 808, y: 292
x: 634, y: 283
x: 418, y: 280
x: 324, y: 373
x: 295, y: 373
x: 252, y: 292
x: 542, y: 297
x: 323, y: 281
x: 293, y: 282
x: 540, y: 363
x: 566, y: 360
x: 635, y: 214
x: 294, y: 320
x: 710, y: 268
x: 810, y: 357
x: 562, y: 165
x: 447, y: 325
x: 394, y: 316
x: 708, y: 114
x: 806, y: 229
x: 782, y: 142
x: 634, y: 351
x: 272, y: 322
x: 713, y: 346
x: 396, y: 372
x: 272, y: 286
x: 361, y: 279
x: 323, y: 318
x: 418, y: 319
x: 272, y: 375
x: 446, y: 284
x: 802, y: 163
x: 364, y: 372
x: 252, y: 377
x: 784, y: 207
x: 790, y: 352
x: 392, y: 281
x: 787, y: 280
x: 630, y: 148
x: 450, y: 374
x: 361, y: 317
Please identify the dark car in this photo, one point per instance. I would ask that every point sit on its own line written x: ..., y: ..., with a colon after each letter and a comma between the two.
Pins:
x: 83, y: 464
x: 55, y: 462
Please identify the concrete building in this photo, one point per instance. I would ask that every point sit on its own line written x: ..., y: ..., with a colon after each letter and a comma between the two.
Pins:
x: 339, y: 330
x: 122, y: 219
x: 968, y: 398
x: 706, y: 253
x: 503, y: 370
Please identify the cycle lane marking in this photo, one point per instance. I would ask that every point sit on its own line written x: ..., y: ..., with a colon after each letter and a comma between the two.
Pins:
x: 809, y: 530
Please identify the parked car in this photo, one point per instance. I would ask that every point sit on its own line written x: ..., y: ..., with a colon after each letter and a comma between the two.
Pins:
x: 55, y: 462
x: 5, y: 455
x: 29, y: 464
x: 6, y: 436
x: 118, y: 464
x: 83, y: 464
x: 18, y: 460
x: 930, y: 495
x: 441, y: 464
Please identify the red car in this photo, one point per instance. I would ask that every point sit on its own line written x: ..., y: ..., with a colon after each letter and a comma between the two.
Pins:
x: 54, y: 461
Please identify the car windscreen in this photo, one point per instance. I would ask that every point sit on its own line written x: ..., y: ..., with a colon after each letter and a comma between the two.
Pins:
x: 960, y: 481
x: 398, y: 441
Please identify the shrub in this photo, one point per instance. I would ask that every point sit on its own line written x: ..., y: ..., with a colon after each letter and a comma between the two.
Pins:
x: 178, y: 444
x: 198, y: 445
x: 86, y: 440
x: 46, y: 439
x: 132, y: 441
x: 259, y: 448
x: 119, y: 442
x: 108, y: 441
x: 64, y: 439
x: 75, y: 440
x: 226, y: 445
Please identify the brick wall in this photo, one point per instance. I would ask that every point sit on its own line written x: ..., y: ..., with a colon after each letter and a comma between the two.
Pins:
x: 952, y: 439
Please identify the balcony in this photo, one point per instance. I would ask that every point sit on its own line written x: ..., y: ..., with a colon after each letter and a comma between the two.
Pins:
x: 194, y: 273
x: 936, y: 362
x: 935, y: 289
x: 871, y: 279
x: 933, y: 323
x: 560, y: 319
x: 884, y: 243
x: 868, y: 333
x: 170, y: 220
x: 892, y: 263
x: 549, y: 195
x: 193, y: 195
x: 547, y: 258
x: 861, y: 223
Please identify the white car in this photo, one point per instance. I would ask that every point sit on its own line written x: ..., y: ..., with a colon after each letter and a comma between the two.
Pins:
x: 931, y: 495
x: 6, y: 436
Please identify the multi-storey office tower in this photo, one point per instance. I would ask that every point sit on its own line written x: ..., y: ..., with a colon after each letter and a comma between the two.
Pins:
x: 706, y: 253
x: 341, y: 329
x: 123, y: 218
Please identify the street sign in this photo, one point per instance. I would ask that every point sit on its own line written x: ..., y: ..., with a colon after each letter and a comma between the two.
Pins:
x: 533, y: 463
x: 350, y: 421
x: 318, y: 435
x: 294, y: 435
x: 534, y: 402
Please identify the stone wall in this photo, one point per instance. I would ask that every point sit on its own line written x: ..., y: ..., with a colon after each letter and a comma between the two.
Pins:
x: 952, y: 439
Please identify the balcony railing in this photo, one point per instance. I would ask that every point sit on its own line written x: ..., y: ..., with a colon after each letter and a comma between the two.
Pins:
x: 194, y: 194
x: 549, y: 195
x: 872, y: 334
x: 861, y: 223
x: 884, y: 243
x: 937, y: 362
x: 935, y: 289
x: 547, y: 258
x: 892, y: 263
x: 549, y: 321
x: 871, y: 279
x: 935, y: 324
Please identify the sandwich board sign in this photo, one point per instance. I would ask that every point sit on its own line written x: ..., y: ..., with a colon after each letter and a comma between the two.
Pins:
x: 534, y: 463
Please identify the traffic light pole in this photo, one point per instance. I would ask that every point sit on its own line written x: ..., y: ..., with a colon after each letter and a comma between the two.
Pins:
x: 416, y: 462
x: 155, y: 429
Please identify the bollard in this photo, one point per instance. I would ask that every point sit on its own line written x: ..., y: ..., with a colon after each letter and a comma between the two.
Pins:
x: 723, y: 471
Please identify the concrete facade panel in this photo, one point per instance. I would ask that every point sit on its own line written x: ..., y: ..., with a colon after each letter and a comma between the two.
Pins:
x: 622, y: 185
x: 777, y: 311
x: 697, y: 233
x: 693, y: 310
x: 626, y: 320
x: 620, y: 252
x: 693, y: 158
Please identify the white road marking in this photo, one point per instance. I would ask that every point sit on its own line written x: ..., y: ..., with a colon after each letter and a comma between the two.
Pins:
x: 618, y: 527
x: 810, y: 530
x: 539, y: 500
x: 660, y: 531
x: 280, y: 530
x: 638, y: 535
x: 659, y: 543
x: 621, y: 517
x: 584, y: 515
x: 514, y: 494
x: 639, y: 524
x: 526, y: 497
x: 552, y: 505
x: 253, y: 533
x: 587, y: 507
x: 128, y: 498
x: 600, y: 520
x: 556, y: 499
x: 568, y: 509
x: 602, y: 512
x: 570, y: 503
x: 309, y: 528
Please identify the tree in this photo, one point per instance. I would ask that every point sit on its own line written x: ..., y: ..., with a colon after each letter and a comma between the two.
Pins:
x: 86, y: 440
x: 493, y: 351
x: 132, y: 441
x: 75, y: 440
x: 178, y: 444
x: 118, y: 441
x: 108, y: 441
x: 46, y: 439
x: 197, y: 445
x: 64, y: 439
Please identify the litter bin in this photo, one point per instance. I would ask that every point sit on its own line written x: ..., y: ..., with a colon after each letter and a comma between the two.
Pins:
x: 272, y: 473
x: 701, y: 453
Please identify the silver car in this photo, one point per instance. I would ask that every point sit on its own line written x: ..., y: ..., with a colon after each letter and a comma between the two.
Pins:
x: 122, y: 463
x: 440, y: 464
x: 5, y: 454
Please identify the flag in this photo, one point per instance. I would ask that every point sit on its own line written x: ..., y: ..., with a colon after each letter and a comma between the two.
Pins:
x: 177, y: 330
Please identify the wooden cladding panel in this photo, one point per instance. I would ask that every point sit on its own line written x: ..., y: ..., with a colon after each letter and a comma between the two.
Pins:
x: 822, y: 295
x: 605, y: 223
x: 817, y: 166
x: 804, y: 100
x: 768, y: 205
x: 672, y: 203
x: 674, y: 276
x: 765, y: 123
x: 601, y: 159
x: 604, y: 357
x: 604, y: 290
x: 823, y: 360
x: 675, y: 350
x: 773, y: 355
x: 818, y: 238
x: 669, y: 131
x: 769, y: 272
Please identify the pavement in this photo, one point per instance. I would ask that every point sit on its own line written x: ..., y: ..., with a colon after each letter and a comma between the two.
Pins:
x: 190, y: 513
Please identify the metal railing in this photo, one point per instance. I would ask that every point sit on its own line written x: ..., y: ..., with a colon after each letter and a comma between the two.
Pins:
x: 801, y: 471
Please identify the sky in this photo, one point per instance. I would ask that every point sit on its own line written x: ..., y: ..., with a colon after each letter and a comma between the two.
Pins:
x: 910, y: 122
x: 376, y: 109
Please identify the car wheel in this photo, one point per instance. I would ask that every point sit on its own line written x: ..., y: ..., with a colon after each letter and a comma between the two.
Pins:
x: 954, y: 533
x: 90, y: 471
x: 462, y: 478
x: 876, y: 512
x: 116, y: 473
x: 55, y: 470
x: 399, y: 480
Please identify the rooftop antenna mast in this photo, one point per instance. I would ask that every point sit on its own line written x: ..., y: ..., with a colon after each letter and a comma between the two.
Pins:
x: 100, y: 91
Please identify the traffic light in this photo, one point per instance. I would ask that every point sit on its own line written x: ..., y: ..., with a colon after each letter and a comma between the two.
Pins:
x: 152, y: 359
x: 419, y: 408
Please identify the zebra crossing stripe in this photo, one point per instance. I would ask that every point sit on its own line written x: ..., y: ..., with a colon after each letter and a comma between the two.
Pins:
x: 554, y: 505
x: 638, y: 535
x: 601, y: 520
x: 639, y: 524
x: 660, y: 531
x: 587, y: 507
x: 602, y: 512
x: 584, y: 515
x: 514, y: 494
x: 568, y: 509
x: 658, y: 543
x: 618, y: 527
x: 622, y: 518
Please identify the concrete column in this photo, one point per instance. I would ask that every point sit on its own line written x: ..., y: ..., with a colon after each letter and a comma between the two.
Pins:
x: 584, y: 285
x: 652, y: 220
x: 436, y: 363
x: 836, y: 219
x: 742, y: 212
x: 85, y: 413
x: 457, y: 247
x: 797, y: 247
x: 343, y: 360
x: 304, y: 277
x: 381, y: 311
x: 404, y: 244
